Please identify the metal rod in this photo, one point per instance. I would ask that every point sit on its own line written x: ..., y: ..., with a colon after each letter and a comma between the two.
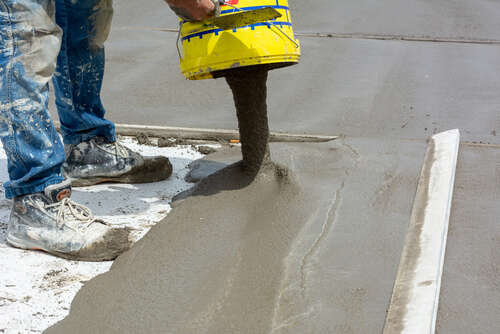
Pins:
x: 286, y: 35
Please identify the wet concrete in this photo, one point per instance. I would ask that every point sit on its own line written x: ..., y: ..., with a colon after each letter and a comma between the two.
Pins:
x: 212, y: 163
x: 470, y: 291
x: 312, y: 251
x: 249, y: 87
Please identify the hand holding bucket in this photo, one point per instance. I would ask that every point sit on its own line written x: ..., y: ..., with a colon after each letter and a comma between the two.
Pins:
x: 195, y: 10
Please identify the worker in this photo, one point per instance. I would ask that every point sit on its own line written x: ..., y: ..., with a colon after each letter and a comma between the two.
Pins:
x: 63, y: 40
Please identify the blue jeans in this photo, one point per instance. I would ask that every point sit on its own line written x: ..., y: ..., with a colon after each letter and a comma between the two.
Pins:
x: 42, y: 40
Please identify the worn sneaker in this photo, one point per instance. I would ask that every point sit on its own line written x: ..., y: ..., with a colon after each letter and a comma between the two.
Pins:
x: 53, y: 223
x: 98, y: 161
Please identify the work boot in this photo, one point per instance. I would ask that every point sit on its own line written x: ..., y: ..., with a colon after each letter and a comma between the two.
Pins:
x: 53, y: 223
x: 98, y: 161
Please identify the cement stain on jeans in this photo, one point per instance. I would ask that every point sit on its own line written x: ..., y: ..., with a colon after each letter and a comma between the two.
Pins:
x: 102, y: 17
x: 38, y: 39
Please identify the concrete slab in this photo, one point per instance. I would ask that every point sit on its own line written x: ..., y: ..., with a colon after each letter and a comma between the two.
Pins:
x: 359, y: 88
x: 143, y: 14
x: 459, y: 18
x: 470, y: 291
x: 316, y: 253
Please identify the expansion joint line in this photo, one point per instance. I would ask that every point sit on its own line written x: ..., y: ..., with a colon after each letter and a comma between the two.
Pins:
x: 367, y: 36
x: 406, y: 38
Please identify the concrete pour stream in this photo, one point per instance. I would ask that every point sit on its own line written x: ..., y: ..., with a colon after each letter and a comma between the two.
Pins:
x: 311, y: 250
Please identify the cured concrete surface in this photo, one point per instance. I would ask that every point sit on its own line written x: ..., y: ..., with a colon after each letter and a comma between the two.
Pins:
x: 314, y: 252
x: 355, y: 87
x: 457, y: 18
x: 470, y: 291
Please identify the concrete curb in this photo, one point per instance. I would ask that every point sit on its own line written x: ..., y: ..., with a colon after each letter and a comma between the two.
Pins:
x: 415, y: 299
x: 212, y: 134
x: 209, y: 134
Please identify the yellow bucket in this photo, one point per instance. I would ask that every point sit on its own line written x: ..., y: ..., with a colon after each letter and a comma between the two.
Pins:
x: 208, y: 51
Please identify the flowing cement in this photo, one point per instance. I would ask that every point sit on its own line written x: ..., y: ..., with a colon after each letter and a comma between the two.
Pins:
x: 250, y: 93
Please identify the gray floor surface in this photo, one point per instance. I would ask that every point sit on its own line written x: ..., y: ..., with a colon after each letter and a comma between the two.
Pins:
x: 355, y: 87
x: 470, y: 292
x: 367, y: 89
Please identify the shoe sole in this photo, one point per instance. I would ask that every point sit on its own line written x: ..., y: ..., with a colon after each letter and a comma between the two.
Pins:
x: 142, y: 174
x: 26, y: 245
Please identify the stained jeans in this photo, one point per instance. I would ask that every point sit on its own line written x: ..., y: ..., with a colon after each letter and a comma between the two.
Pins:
x: 42, y: 40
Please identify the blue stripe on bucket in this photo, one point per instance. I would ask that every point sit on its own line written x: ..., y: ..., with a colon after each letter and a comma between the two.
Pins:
x: 217, y: 31
x: 234, y: 10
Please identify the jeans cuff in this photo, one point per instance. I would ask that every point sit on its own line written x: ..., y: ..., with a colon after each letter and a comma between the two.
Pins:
x: 37, y: 187
x: 107, y: 132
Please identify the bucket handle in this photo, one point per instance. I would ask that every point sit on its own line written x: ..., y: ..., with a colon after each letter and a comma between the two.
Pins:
x: 284, y: 33
x: 178, y: 39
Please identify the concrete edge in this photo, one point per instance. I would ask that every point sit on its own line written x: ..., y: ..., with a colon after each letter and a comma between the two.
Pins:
x: 210, y: 134
x: 415, y: 298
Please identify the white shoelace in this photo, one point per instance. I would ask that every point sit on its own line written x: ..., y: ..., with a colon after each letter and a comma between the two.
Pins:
x: 120, y: 150
x: 67, y: 207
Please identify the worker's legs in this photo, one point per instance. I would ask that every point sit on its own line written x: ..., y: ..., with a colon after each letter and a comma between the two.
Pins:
x: 80, y: 69
x: 93, y: 155
x: 29, y: 44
